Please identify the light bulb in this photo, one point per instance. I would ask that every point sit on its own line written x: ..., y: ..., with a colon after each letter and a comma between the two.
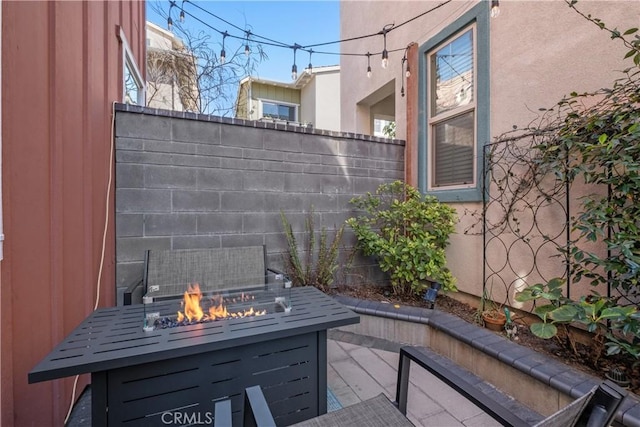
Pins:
x: 310, y: 67
x: 407, y: 73
x: 369, y: 71
x: 182, y: 16
x: 169, y: 23
x: 223, y: 56
x: 385, y: 58
x: 495, y: 8
x: 246, y: 50
x: 294, y: 72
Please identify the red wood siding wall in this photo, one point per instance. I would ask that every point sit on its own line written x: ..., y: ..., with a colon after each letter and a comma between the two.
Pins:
x: 61, y: 72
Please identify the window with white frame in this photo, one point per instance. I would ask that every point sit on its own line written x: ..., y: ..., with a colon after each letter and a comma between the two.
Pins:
x: 133, y: 91
x: 451, y: 118
x: 279, y: 110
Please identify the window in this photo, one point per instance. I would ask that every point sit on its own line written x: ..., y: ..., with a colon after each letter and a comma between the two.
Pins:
x: 379, y: 125
x: 133, y: 91
x: 279, y: 111
x: 451, y: 114
x: 454, y: 94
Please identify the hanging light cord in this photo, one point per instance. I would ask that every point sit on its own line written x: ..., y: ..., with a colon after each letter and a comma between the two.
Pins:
x: 307, y: 48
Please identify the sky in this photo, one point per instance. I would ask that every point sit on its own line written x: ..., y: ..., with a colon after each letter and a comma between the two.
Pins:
x: 290, y: 22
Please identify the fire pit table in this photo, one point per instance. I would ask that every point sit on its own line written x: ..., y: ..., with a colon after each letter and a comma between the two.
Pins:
x: 175, y: 375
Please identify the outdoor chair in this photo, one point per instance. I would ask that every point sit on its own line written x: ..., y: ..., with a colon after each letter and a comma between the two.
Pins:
x: 596, y: 408
x: 167, y: 272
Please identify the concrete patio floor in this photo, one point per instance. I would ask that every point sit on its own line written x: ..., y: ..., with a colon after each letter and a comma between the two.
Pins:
x: 363, y: 367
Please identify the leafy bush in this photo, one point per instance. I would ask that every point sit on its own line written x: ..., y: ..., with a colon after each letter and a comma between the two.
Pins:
x: 407, y: 233
x: 319, y: 265
x: 617, y: 325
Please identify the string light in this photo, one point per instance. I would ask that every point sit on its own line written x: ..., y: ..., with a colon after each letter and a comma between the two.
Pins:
x: 404, y: 59
x: 385, y: 53
x: 407, y: 72
x: 495, y: 8
x: 247, y: 51
x: 294, y: 68
x: 223, y: 54
x: 169, y: 20
x: 182, y: 12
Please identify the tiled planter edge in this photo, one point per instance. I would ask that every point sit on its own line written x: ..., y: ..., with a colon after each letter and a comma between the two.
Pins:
x: 534, y: 379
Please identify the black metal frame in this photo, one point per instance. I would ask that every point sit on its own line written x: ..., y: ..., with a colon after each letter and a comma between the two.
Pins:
x: 599, y: 410
x: 514, y: 189
x: 420, y: 356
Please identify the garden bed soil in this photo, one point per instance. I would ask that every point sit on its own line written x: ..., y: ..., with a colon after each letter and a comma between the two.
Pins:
x: 551, y: 347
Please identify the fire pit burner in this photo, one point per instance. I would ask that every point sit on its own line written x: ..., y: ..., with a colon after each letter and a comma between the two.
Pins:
x: 195, y: 307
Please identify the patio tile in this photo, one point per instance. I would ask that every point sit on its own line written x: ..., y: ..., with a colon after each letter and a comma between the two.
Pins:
x: 390, y: 357
x: 343, y: 392
x: 459, y: 407
x: 362, y: 384
x: 420, y: 405
x: 481, y: 420
x: 441, y: 419
x: 385, y: 375
x: 346, y: 347
x: 335, y: 352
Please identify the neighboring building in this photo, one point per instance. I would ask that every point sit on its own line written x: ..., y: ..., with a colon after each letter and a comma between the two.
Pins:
x: 472, y: 78
x: 64, y: 64
x: 171, y: 72
x: 313, y: 99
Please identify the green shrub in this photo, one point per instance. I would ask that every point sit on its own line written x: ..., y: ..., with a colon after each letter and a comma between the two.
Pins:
x: 615, y: 327
x: 407, y: 233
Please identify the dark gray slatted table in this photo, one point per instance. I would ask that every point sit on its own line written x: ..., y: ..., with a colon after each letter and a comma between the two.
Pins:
x: 150, y: 378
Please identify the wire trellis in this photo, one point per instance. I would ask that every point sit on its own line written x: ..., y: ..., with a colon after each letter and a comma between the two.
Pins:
x: 525, y: 220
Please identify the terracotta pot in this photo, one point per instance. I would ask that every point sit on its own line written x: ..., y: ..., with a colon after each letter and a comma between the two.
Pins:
x: 494, y: 320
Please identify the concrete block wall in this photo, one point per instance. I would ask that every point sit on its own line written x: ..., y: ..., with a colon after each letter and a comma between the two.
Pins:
x: 187, y: 180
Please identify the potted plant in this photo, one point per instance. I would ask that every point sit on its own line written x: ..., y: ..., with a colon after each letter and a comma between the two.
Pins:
x: 494, y: 319
x: 492, y: 315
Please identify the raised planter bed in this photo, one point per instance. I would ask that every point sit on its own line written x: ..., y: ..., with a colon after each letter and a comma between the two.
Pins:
x: 535, y: 380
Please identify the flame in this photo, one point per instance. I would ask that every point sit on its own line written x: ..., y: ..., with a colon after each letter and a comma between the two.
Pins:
x: 193, y: 311
x: 217, y: 309
x: 191, y: 303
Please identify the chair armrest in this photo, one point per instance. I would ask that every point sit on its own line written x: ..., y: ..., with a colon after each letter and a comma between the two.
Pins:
x: 256, y: 410
x: 601, y: 410
x: 413, y: 354
x: 222, y: 413
x: 133, y: 294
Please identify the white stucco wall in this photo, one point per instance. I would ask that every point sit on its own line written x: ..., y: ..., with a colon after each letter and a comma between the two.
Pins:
x: 320, y: 99
x: 158, y: 37
x: 540, y: 50
x: 308, y: 103
x: 328, y: 100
